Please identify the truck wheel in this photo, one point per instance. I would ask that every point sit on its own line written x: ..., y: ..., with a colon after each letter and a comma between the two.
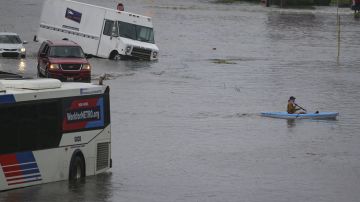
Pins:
x: 115, y: 56
x: 77, y: 168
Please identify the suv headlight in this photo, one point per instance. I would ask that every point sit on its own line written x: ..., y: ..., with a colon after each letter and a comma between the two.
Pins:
x: 86, y: 67
x: 54, y: 66
x: 22, y: 50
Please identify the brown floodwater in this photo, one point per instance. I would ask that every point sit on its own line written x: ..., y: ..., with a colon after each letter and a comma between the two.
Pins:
x: 187, y: 127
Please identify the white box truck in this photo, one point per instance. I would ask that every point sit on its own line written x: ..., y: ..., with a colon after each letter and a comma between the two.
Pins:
x: 100, y: 31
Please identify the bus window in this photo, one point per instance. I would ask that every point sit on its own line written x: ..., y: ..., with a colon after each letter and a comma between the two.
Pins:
x: 31, y: 126
x: 8, y: 124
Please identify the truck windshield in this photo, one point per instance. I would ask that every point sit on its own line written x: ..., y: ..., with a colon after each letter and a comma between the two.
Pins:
x: 66, y: 52
x: 10, y: 39
x: 136, y: 32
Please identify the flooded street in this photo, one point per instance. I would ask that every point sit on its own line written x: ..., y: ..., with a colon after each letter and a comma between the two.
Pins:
x: 187, y: 127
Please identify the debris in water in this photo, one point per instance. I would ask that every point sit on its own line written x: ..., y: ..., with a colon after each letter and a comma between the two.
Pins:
x: 158, y: 73
x: 222, y: 61
x: 111, y: 76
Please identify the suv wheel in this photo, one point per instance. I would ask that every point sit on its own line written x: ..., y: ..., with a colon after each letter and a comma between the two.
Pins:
x: 46, y: 73
x: 38, y: 71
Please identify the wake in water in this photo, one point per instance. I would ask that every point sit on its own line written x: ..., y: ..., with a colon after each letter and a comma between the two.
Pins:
x: 203, y: 115
x: 242, y: 115
x: 110, y: 76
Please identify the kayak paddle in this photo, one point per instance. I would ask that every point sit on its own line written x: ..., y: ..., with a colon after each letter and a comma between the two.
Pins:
x: 300, y: 107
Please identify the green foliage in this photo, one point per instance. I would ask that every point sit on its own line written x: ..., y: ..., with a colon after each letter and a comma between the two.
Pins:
x: 342, y: 3
x: 322, y: 2
x: 296, y: 3
x: 232, y: 1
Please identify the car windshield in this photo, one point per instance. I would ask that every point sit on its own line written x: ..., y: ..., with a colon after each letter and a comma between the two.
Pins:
x: 136, y: 32
x: 66, y: 52
x: 10, y: 39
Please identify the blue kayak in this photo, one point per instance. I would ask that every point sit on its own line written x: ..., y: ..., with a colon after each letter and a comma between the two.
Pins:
x: 285, y: 115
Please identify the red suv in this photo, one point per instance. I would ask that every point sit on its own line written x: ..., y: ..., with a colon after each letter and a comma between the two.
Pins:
x: 63, y: 60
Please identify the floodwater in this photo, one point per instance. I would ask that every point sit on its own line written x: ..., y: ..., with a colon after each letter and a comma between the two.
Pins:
x: 187, y: 127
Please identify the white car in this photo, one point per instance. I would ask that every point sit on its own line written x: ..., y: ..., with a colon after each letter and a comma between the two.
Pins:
x: 11, y: 45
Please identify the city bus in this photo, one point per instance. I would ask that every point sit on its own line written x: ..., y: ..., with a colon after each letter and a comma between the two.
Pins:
x: 52, y: 131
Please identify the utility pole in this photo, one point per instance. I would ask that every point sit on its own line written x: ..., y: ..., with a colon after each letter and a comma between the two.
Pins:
x: 338, y: 32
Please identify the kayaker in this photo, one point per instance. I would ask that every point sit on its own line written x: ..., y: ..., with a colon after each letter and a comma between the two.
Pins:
x: 292, y: 107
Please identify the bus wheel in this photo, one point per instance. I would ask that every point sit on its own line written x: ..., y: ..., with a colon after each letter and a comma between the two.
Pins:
x: 77, y: 168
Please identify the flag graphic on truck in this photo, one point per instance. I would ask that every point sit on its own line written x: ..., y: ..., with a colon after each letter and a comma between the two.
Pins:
x: 73, y: 15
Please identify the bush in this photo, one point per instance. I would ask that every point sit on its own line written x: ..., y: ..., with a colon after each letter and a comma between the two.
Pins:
x: 342, y: 3
x: 298, y: 3
x: 322, y: 2
x: 291, y: 3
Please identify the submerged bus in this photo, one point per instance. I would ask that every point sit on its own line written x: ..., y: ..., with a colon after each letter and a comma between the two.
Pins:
x: 52, y: 131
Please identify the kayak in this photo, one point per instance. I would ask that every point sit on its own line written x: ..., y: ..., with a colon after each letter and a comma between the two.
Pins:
x: 285, y: 115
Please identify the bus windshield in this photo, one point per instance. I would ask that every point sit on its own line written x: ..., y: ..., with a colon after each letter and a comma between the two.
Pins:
x: 136, y: 32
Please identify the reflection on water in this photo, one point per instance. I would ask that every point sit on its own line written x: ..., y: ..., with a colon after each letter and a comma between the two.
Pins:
x: 22, y: 66
x: 15, y: 65
x: 186, y: 127
x: 285, y: 21
x: 95, y: 188
x: 290, y: 123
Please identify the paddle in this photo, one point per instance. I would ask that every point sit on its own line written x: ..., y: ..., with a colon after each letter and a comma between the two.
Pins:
x: 300, y: 107
x: 305, y: 109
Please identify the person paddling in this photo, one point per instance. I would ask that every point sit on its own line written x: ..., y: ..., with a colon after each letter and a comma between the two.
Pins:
x: 292, y: 107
